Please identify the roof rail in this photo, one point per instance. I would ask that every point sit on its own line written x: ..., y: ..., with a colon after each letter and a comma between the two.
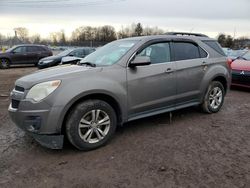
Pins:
x: 188, y: 34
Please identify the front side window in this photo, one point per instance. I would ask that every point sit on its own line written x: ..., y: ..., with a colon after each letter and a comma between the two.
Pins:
x: 185, y: 51
x: 158, y: 53
x: 20, y: 49
x: 110, y: 53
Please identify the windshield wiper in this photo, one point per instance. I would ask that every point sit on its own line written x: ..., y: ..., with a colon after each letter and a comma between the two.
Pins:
x: 88, y: 63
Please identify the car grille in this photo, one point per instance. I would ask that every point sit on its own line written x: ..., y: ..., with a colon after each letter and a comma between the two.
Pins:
x: 14, y: 103
x: 241, y: 77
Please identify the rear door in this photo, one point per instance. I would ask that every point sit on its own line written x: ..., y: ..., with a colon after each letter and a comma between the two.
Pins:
x: 190, y: 69
x: 32, y: 54
x: 152, y: 87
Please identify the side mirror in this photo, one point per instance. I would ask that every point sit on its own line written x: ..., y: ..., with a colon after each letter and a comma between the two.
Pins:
x: 140, y: 61
x: 71, y: 55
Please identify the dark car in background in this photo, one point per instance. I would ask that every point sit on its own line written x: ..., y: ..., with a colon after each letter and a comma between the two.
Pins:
x: 24, y: 54
x: 56, y: 59
x: 241, y: 71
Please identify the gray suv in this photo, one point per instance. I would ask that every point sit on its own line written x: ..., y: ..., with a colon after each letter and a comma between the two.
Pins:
x: 123, y: 81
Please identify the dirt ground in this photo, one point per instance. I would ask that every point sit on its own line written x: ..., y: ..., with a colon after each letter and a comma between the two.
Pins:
x: 194, y: 150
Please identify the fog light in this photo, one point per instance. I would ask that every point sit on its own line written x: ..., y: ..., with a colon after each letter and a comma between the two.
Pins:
x: 33, y: 123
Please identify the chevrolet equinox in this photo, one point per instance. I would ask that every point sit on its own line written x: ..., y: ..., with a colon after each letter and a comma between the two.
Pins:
x: 124, y: 80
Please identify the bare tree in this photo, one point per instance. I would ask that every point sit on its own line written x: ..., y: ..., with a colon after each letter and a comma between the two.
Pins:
x: 22, y: 33
x: 35, y: 39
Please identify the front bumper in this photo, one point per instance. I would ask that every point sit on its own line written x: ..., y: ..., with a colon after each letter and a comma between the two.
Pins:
x: 39, y: 120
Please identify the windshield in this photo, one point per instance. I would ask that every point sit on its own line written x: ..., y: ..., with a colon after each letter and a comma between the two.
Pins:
x: 246, y: 56
x: 64, y: 53
x: 236, y: 53
x: 110, y: 53
x: 10, y: 49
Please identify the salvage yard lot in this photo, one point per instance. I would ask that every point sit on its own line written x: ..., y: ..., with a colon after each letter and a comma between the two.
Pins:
x: 194, y: 150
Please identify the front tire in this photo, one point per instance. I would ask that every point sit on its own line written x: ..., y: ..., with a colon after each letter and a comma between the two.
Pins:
x: 91, y: 124
x: 4, y: 63
x: 214, y: 98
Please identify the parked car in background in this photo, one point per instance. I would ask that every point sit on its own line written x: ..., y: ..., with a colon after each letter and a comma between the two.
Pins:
x: 227, y: 51
x: 125, y: 80
x: 56, y: 59
x: 23, y: 54
x: 241, y: 71
x: 70, y: 60
x: 234, y: 54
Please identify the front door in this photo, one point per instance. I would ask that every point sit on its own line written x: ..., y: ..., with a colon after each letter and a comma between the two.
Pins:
x: 152, y: 87
x: 19, y: 55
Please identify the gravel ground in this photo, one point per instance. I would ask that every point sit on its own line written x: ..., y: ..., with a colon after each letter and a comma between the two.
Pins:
x: 192, y: 150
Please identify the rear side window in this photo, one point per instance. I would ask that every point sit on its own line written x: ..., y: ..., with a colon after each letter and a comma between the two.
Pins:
x: 185, y: 51
x: 31, y: 49
x: 215, y: 45
x: 41, y: 49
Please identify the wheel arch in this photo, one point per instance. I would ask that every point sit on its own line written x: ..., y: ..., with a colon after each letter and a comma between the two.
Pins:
x: 222, y: 80
x: 6, y: 58
x: 99, y: 96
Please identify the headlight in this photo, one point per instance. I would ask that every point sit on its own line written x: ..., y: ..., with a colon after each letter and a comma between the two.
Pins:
x: 39, y: 91
x: 47, y: 61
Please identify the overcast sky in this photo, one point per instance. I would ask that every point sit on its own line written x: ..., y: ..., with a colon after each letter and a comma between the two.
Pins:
x: 206, y: 16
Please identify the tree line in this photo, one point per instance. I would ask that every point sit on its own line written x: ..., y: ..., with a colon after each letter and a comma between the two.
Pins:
x: 227, y: 41
x: 98, y: 36
x: 81, y: 36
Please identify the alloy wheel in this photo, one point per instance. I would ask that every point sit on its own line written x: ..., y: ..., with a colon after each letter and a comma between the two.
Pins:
x: 94, y: 126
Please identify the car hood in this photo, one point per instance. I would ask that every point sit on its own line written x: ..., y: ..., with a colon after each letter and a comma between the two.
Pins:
x: 51, y: 58
x: 55, y: 73
x: 241, y: 65
x: 3, y: 53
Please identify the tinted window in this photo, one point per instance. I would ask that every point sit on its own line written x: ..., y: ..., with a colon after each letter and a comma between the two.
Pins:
x: 203, y: 53
x: 215, y: 45
x: 158, y: 53
x: 40, y: 49
x: 185, y: 50
x: 31, y: 49
x: 78, y: 53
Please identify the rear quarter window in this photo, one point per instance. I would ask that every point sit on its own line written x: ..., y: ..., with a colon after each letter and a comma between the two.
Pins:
x: 215, y: 45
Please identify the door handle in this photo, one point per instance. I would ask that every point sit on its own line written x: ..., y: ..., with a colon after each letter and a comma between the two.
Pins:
x: 169, y: 70
x: 204, y: 63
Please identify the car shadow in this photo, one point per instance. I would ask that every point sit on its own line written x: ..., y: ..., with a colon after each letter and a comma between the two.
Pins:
x: 22, y: 66
x: 238, y: 88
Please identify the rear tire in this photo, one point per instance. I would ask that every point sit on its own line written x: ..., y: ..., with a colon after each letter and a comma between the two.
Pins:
x: 214, y: 98
x: 4, y: 63
x: 91, y: 124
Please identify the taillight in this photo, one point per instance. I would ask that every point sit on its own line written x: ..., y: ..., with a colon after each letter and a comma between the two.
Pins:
x: 229, y: 62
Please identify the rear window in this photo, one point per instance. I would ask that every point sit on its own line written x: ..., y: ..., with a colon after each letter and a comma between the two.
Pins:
x: 215, y: 45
